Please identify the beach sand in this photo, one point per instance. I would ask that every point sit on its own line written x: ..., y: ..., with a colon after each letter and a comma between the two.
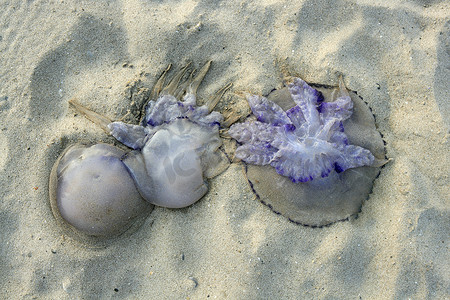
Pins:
x: 395, y: 54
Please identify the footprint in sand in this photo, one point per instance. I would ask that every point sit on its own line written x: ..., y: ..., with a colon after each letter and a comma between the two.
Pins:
x: 93, y: 44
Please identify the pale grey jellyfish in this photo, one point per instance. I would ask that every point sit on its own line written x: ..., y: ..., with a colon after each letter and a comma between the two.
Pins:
x: 100, y: 190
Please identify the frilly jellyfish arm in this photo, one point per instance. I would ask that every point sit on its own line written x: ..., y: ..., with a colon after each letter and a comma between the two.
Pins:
x: 296, y: 116
x: 354, y: 156
x: 164, y: 110
x: 133, y: 136
x: 190, y: 100
x: 257, y: 138
x: 202, y: 116
x: 256, y: 153
x: 267, y: 111
x: 302, y: 163
x: 340, y: 109
x: 251, y: 132
x: 304, y: 143
x: 342, y: 106
x: 167, y: 108
x: 307, y: 99
x: 329, y: 128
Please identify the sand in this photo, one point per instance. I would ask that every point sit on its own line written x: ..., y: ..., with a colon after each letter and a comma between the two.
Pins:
x: 395, y: 54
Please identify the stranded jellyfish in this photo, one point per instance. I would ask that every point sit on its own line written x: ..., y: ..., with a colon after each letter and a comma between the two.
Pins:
x: 311, y: 154
x: 100, y: 190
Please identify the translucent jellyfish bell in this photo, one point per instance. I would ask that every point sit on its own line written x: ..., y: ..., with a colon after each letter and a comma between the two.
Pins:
x: 312, y: 154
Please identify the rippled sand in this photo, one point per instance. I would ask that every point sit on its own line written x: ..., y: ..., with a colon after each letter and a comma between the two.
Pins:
x: 228, y: 245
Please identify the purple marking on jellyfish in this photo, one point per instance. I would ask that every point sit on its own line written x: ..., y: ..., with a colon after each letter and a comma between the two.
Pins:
x: 289, y: 127
x: 318, y: 133
x: 317, y: 173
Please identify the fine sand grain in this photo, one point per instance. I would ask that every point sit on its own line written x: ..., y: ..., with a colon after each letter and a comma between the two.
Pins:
x: 395, y: 54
